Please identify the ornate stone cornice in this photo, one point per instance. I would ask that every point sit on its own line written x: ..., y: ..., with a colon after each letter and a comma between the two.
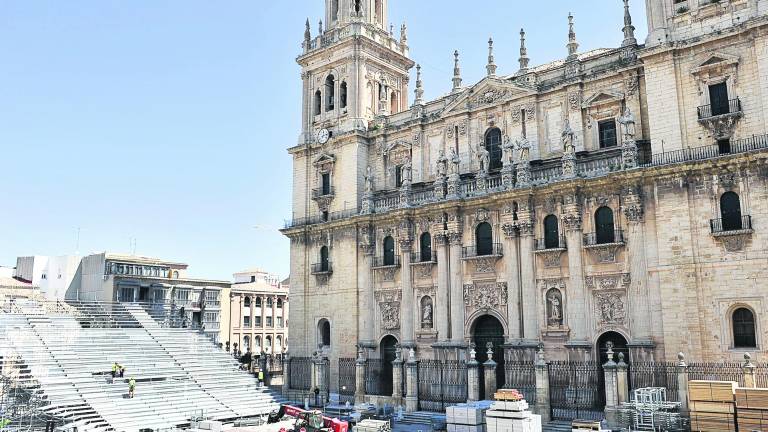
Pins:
x: 526, y: 227
x: 510, y: 230
x: 455, y: 238
x: 572, y: 221
x: 441, y: 239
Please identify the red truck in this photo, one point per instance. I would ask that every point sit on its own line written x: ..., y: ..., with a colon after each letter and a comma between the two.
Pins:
x: 313, y: 421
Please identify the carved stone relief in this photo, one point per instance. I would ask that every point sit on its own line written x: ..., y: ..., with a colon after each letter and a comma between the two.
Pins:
x: 484, y: 265
x: 485, y: 295
x: 610, y: 308
x: 608, y: 282
x: 389, y: 304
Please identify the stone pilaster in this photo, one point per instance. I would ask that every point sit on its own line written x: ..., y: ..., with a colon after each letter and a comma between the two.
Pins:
x: 543, y: 405
x: 286, y: 375
x: 622, y: 379
x: 610, y: 369
x: 473, y: 376
x: 397, y: 378
x: 511, y: 263
x: 749, y: 372
x: 638, y: 295
x: 443, y: 288
x: 320, y: 375
x: 360, y: 377
x: 457, y: 292
x: 412, y: 373
x: 407, y: 303
x: 682, y: 384
x: 576, y: 294
x: 365, y: 284
x: 489, y: 374
x: 528, y: 274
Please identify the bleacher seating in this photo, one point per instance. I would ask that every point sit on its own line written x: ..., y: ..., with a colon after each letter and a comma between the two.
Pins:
x: 66, y: 359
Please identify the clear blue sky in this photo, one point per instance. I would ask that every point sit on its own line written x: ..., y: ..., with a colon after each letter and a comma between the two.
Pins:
x: 167, y: 120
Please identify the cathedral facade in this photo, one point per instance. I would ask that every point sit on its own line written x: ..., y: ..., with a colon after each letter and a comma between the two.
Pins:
x: 617, y: 195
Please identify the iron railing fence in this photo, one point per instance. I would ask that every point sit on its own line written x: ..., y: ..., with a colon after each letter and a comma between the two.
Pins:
x: 522, y: 377
x: 597, y: 238
x: 575, y: 390
x: 347, y: 380
x: 441, y: 383
x: 549, y: 243
x: 717, y: 371
x: 393, y: 261
x: 733, y: 106
x: 322, y: 267
x: 375, y: 379
x: 425, y: 257
x: 321, y: 192
x: 320, y: 218
x: 490, y: 250
x: 717, y: 226
x: 299, y: 373
x: 755, y: 142
x: 655, y: 374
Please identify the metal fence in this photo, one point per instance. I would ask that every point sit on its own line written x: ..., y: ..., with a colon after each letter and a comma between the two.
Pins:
x: 375, y: 379
x: 347, y: 380
x: 716, y: 372
x: 576, y: 390
x: 299, y: 373
x: 521, y: 376
x: 441, y: 383
x: 655, y: 374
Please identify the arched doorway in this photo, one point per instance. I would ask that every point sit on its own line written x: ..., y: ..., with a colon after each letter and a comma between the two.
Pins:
x: 388, y: 352
x: 489, y: 329
x: 619, y: 345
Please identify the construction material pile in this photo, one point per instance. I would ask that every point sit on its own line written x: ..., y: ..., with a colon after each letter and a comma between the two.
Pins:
x: 752, y: 409
x: 712, y: 406
x: 468, y: 417
x: 509, y: 413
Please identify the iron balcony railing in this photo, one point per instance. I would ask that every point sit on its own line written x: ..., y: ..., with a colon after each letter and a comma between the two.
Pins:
x: 543, y: 244
x: 320, y: 218
x: 426, y: 257
x: 489, y: 250
x: 321, y: 192
x: 386, y: 261
x: 323, y: 267
x: 713, y: 110
x: 730, y: 224
x: 598, y: 238
x: 755, y: 142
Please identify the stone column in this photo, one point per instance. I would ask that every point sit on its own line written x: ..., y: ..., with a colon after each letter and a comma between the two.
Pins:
x: 412, y: 372
x: 443, y: 288
x: 397, y: 378
x: 542, y: 407
x: 577, y: 313
x: 611, y: 389
x: 638, y: 295
x: 320, y: 371
x: 457, y: 290
x: 365, y: 315
x: 489, y: 372
x: 253, y: 324
x: 360, y: 377
x: 263, y: 313
x: 407, y: 303
x: 286, y: 375
x: 622, y: 380
x: 473, y: 376
x: 749, y: 372
x: 682, y: 384
x: 511, y: 260
x: 528, y: 275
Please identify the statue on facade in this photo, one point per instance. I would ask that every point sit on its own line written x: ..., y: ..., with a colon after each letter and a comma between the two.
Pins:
x: 406, y: 173
x: 555, y: 308
x: 442, y: 164
x: 426, y: 314
x: 627, y: 122
x: 568, y: 138
x: 483, y: 157
x: 455, y: 161
x: 508, y: 150
x: 523, y: 147
x: 368, y: 180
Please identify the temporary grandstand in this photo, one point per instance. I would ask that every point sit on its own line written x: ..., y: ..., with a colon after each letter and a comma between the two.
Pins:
x: 56, y: 359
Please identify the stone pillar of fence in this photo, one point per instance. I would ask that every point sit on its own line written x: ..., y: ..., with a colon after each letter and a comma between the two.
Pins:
x: 610, y: 369
x: 473, y: 376
x: 412, y: 371
x: 682, y: 384
x: 622, y: 380
x: 542, y: 407
x: 397, y: 378
x: 749, y: 372
x: 489, y: 372
x: 286, y: 375
x: 320, y: 374
x: 360, y: 377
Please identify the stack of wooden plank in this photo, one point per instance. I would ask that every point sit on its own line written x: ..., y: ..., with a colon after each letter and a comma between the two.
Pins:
x: 752, y: 409
x: 712, y: 406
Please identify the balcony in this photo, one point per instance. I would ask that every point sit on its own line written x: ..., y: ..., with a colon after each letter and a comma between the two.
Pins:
x: 321, y: 218
x: 473, y: 252
x: 731, y: 108
x: 599, y: 239
x: 429, y: 258
x: 381, y: 262
x: 323, y: 192
x: 720, y: 227
x: 322, y: 268
x: 541, y: 245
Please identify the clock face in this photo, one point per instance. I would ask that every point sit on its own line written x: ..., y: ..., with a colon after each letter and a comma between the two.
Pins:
x: 323, y: 135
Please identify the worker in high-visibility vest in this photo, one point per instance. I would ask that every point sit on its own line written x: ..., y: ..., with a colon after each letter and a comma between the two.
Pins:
x: 261, y: 377
x: 114, y: 369
x: 131, y: 387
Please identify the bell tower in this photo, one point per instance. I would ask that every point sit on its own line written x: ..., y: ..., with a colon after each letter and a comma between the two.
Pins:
x: 354, y: 68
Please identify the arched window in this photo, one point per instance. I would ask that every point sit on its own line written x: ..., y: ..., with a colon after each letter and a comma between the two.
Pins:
x: 493, y: 145
x: 279, y: 303
x: 425, y: 245
x: 484, y: 239
x: 324, y: 264
x: 318, y: 102
x: 330, y: 92
x: 324, y: 328
x: 268, y: 343
x: 358, y: 6
x: 389, y: 251
x: 269, y: 302
x: 247, y: 343
x: 393, y: 106
x: 730, y: 211
x: 278, y: 344
x: 334, y: 10
x: 247, y: 302
x: 343, y: 95
x: 604, y: 231
x: 744, y: 329
x: 551, y: 232
x: 258, y: 301
x: 257, y: 343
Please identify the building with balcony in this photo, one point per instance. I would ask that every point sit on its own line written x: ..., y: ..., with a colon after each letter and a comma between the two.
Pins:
x: 258, y: 313
x: 615, y: 195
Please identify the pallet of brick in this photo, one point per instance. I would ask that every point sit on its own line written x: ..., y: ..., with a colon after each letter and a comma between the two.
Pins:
x: 711, y: 391
x: 752, y: 398
x: 508, y: 395
x: 586, y: 425
x: 468, y: 417
x: 370, y: 425
x: 712, y: 422
x: 511, y: 416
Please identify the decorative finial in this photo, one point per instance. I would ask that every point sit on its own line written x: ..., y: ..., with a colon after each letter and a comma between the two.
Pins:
x: 573, y: 46
x: 320, y: 27
x: 524, y: 60
x: 491, y: 67
x: 403, y: 35
x: 456, y: 71
x: 489, y: 346
x: 629, y: 29
x: 748, y: 360
x: 419, y: 87
x: 307, y: 32
x: 681, y: 359
x: 621, y: 358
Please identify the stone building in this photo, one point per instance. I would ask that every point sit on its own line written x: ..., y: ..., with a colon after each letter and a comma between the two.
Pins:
x: 615, y: 195
x: 258, y: 313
